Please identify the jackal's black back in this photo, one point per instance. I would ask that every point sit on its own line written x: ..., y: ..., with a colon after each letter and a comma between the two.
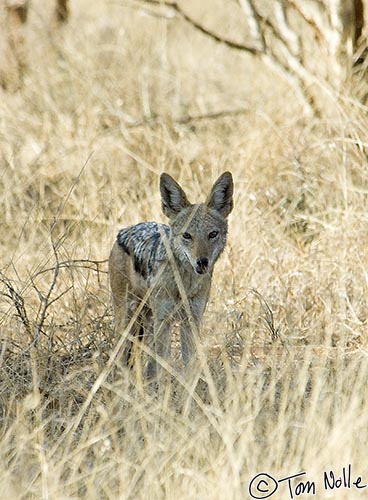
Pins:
x: 143, y: 243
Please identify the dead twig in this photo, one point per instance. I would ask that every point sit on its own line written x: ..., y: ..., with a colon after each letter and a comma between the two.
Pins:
x: 18, y: 302
x: 187, y: 119
x: 75, y: 263
x: 267, y: 318
x: 218, y: 38
x: 45, y: 298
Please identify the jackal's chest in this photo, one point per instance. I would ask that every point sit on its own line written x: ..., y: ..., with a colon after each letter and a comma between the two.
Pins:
x: 176, y: 282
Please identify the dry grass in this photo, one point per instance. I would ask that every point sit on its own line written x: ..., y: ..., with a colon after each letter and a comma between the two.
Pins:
x: 100, y: 110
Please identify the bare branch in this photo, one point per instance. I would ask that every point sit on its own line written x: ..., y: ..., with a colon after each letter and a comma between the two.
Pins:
x: 45, y: 299
x: 77, y: 263
x: 212, y: 116
x: 254, y: 22
x: 267, y: 315
x: 288, y: 35
x: 314, y: 21
x: 18, y: 302
x: 229, y: 43
x: 185, y: 119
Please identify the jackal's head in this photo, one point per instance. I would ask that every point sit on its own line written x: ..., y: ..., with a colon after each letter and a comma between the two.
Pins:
x: 198, y: 232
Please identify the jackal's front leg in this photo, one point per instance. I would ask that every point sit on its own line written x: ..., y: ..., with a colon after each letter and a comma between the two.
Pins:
x: 189, y: 332
x: 162, y: 328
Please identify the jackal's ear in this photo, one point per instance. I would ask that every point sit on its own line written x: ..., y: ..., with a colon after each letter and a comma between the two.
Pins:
x: 221, y: 195
x: 172, y: 196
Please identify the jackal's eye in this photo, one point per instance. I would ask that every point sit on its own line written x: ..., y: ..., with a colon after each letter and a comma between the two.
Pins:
x: 213, y: 234
x: 187, y: 236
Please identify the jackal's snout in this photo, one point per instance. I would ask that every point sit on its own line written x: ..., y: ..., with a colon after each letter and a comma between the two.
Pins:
x: 201, y: 265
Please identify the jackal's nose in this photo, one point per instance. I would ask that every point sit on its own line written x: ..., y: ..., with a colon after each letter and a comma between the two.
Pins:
x: 201, y: 265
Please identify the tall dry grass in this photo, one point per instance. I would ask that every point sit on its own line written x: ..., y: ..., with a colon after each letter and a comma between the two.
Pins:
x: 100, y: 110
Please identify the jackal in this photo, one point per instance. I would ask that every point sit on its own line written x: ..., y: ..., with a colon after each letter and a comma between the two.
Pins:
x: 169, y: 267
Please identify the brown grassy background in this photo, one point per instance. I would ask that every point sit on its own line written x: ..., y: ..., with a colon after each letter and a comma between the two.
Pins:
x: 99, y: 110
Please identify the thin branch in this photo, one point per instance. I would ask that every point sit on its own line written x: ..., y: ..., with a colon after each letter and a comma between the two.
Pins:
x: 18, y: 302
x: 75, y: 263
x: 60, y: 295
x: 45, y: 299
x: 311, y: 20
x: 288, y: 35
x: 183, y: 120
x: 268, y: 315
x: 254, y: 21
x: 212, y: 116
x: 75, y: 182
x: 229, y: 43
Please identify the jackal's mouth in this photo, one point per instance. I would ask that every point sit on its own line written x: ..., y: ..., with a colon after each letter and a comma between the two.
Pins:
x: 199, y: 270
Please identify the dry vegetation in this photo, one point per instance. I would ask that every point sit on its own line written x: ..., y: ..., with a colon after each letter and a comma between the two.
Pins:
x: 88, y: 120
